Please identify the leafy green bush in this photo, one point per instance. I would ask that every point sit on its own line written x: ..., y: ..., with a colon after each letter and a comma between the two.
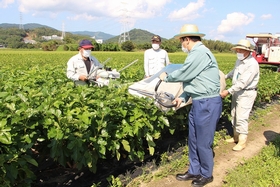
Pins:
x: 43, y: 113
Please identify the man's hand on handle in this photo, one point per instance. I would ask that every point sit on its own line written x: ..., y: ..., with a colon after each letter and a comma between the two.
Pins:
x: 83, y: 78
x: 177, y: 101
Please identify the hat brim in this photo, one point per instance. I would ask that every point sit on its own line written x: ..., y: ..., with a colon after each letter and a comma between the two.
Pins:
x: 87, y: 46
x: 189, y: 34
x: 240, y: 47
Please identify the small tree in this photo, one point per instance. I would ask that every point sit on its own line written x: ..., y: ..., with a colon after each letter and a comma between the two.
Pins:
x: 127, y: 46
x: 65, y: 48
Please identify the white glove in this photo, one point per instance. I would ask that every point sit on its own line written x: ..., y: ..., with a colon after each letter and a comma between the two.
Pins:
x: 162, y: 76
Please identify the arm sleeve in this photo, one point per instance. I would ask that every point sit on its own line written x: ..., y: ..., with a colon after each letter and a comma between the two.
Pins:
x: 192, y: 67
x: 146, y: 63
x: 71, y: 73
x: 185, y: 97
x: 244, y: 79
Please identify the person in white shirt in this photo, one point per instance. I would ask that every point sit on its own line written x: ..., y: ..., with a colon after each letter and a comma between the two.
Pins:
x: 155, y: 58
x: 245, y: 77
x: 83, y: 66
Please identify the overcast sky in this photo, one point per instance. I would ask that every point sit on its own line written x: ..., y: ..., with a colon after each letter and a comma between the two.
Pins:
x: 226, y: 20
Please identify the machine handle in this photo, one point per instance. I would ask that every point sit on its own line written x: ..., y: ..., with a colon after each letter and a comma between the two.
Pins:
x: 164, y: 102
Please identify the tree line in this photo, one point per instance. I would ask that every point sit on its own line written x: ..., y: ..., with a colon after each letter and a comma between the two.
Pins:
x: 14, y: 38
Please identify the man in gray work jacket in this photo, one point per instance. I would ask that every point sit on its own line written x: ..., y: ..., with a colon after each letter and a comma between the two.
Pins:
x: 201, y: 82
x: 245, y: 77
x: 81, y: 65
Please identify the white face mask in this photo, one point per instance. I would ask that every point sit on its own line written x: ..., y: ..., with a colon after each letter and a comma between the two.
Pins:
x: 240, y: 56
x: 155, y: 46
x: 185, y: 50
x: 86, y: 53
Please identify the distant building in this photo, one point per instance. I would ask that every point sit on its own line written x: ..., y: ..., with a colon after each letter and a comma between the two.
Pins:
x: 99, y: 41
x: 52, y: 37
x: 27, y: 41
x: 46, y: 37
x: 2, y: 46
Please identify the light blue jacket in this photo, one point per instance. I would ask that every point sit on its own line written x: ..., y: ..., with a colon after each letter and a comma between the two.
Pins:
x: 199, y: 74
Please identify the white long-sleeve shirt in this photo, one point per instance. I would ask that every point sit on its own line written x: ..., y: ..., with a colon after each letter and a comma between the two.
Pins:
x: 154, y: 61
x: 77, y: 67
x: 245, y: 75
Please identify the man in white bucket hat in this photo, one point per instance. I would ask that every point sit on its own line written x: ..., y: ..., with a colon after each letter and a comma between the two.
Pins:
x: 201, y: 82
x: 245, y: 78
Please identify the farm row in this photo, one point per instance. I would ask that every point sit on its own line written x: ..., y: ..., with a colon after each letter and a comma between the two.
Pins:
x: 43, y: 115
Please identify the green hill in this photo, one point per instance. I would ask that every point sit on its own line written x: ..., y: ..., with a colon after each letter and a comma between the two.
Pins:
x: 137, y: 36
x: 98, y: 35
x: 13, y: 37
x: 25, y: 26
x: 35, y: 30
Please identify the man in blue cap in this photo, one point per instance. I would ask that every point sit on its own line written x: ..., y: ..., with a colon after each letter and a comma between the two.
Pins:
x: 201, y: 82
x: 80, y: 65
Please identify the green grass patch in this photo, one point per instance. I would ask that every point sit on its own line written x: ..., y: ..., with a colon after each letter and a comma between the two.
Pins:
x: 259, y: 171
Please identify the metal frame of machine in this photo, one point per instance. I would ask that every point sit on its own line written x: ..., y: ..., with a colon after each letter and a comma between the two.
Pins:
x: 267, y: 48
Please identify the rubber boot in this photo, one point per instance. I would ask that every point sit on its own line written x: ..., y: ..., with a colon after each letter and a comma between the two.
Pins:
x: 234, y: 139
x: 241, y: 143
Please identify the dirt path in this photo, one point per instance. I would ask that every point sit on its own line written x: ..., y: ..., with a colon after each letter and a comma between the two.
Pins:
x: 261, y: 132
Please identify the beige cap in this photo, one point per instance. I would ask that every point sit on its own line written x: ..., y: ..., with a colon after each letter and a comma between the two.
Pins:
x: 243, y: 44
x: 189, y: 30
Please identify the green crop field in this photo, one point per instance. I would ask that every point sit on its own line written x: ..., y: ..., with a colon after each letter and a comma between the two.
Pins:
x: 43, y: 113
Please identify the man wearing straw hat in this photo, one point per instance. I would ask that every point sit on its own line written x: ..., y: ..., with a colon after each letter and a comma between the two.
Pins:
x: 245, y: 78
x: 201, y: 82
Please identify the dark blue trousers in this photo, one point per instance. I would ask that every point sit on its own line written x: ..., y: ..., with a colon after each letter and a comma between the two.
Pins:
x: 203, y: 119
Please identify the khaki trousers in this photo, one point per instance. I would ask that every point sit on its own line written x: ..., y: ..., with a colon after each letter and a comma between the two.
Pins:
x: 241, y: 106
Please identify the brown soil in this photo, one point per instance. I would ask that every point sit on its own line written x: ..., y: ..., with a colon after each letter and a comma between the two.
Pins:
x: 261, y: 131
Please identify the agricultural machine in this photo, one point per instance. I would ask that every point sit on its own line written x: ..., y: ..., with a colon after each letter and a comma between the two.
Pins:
x: 164, y: 93
x: 267, y: 48
x: 105, y: 74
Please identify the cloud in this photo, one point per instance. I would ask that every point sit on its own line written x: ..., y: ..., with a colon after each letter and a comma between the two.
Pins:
x: 190, y: 12
x: 266, y: 16
x: 84, y: 16
x: 234, y: 21
x: 128, y: 11
x: 5, y: 3
x: 93, y: 8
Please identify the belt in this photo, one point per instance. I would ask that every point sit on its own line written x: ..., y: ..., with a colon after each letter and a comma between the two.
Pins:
x: 250, y: 89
